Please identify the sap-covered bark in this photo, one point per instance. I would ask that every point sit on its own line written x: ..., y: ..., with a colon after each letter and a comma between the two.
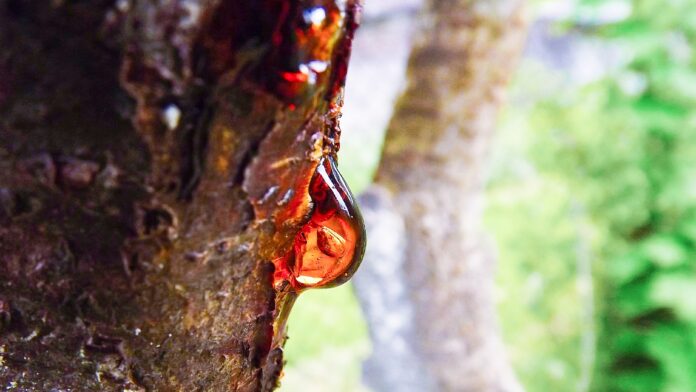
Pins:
x: 154, y: 159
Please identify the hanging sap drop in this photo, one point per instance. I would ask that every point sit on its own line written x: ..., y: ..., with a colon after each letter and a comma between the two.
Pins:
x: 329, y: 248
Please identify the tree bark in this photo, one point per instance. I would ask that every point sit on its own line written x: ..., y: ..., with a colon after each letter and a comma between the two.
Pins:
x: 154, y: 159
x: 429, y: 188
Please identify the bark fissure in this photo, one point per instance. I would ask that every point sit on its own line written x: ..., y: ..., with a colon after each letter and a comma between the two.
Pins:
x: 137, y: 141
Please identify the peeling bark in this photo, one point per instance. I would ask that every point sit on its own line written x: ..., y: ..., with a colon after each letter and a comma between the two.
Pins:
x: 430, y: 186
x: 154, y: 158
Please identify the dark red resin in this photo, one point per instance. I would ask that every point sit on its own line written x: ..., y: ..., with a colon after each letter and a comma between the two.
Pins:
x: 329, y: 248
x: 304, y: 57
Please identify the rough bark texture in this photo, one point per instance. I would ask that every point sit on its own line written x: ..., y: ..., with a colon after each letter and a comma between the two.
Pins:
x: 154, y: 158
x: 433, y: 170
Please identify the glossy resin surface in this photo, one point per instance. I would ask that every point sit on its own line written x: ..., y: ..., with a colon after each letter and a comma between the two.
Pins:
x: 329, y: 248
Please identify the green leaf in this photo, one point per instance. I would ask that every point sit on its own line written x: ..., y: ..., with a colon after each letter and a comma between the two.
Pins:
x: 657, y: 114
x: 665, y: 251
x: 638, y: 380
x: 625, y: 269
x: 676, y: 289
x: 687, y: 228
x: 672, y: 346
x: 632, y: 300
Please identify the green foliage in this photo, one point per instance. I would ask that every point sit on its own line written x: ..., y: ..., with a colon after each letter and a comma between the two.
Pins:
x: 332, y: 314
x: 327, y: 342
x: 655, y: 301
x: 611, y: 165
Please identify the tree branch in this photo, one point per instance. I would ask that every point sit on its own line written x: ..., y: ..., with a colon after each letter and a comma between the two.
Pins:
x: 154, y: 159
x: 433, y: 165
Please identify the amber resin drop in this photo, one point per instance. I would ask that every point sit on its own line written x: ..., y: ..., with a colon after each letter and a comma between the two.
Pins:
x: 304, y: 53
x: 328, y: 249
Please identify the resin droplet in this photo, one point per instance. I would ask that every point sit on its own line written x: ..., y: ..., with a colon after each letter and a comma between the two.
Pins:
x: 305, y: 51
x: 329, y: 248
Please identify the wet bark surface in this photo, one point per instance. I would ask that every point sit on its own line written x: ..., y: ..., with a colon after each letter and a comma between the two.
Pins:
x: 154, y: 159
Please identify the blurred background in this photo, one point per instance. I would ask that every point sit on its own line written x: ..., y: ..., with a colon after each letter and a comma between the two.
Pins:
x: 590, y: 199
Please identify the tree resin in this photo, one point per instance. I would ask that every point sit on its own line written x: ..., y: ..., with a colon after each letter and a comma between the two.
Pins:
x: 329, y: 248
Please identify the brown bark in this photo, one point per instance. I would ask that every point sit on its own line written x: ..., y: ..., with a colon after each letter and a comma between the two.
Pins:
x: 433, y: 167
x: 150, y: 154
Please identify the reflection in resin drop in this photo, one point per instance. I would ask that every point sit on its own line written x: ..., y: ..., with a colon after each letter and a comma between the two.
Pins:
x: 314, y: 16
x: 305, y: 52
x: 328, y: 249
x: 330, y: 242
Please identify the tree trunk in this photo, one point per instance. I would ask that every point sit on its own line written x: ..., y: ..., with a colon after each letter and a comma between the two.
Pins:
x: 427, y: 256
x: 155, y: 157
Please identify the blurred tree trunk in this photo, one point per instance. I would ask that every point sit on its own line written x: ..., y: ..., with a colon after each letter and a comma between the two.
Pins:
x: 427, y: 282
x: 150, y: 154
